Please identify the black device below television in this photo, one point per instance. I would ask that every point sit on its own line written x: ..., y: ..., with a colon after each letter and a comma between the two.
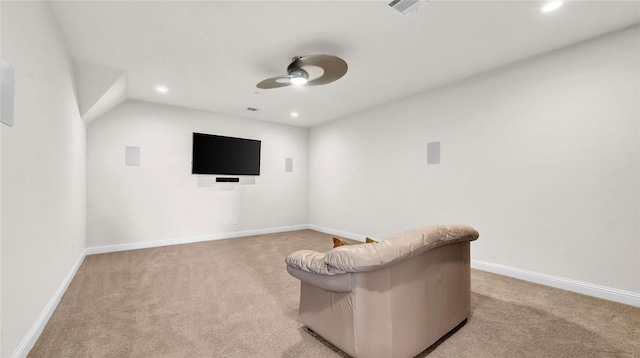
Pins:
x: 214, y: 154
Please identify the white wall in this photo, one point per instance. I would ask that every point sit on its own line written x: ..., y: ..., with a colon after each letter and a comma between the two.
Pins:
x: 542, y: 157
x: 162, y: 200
x: 1, y: 125
x: 43, y: 170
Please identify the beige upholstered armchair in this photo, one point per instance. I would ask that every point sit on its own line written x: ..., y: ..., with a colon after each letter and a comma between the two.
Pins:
x: 394, y: 298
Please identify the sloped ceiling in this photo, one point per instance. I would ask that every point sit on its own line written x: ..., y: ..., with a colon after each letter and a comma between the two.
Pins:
x: 99, y: 89
x: 211, y: 54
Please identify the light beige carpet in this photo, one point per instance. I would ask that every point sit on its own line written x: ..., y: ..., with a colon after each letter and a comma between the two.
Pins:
x: 234, y: 298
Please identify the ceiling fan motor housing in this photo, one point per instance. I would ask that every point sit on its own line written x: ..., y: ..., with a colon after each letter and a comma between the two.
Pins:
x: 296, y: 65
x: 295, y: 69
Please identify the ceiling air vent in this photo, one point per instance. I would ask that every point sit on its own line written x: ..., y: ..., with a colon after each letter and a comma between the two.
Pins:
x: 252, y: 109
x: 407, y: 7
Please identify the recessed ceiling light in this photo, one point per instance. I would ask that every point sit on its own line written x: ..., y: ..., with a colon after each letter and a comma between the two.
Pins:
x: 554, y: 5
x: 294, y: 114
x: 162, y: 89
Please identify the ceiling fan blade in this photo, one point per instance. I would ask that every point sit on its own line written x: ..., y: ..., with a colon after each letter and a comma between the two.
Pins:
x: 274, y: 82
x: 334, y: 68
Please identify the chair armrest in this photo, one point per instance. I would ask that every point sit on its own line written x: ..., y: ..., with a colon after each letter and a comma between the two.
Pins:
x: 311, y: 261
x: 309, y: 267
x: 335, y: 283
x: 307, y: 260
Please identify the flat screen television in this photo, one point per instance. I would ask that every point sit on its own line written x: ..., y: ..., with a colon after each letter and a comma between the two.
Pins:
x: 214, y: 154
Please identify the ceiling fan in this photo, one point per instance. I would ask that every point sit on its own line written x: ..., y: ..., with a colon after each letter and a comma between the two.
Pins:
x: 333, y: 67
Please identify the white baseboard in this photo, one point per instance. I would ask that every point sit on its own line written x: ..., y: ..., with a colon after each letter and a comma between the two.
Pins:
x: 32, y: 336
x: 34, y: 333
x: 189, y: 239
x: 344, y: 234
x: 607, y: 293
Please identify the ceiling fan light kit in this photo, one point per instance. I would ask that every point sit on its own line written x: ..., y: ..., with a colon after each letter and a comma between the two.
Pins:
x: 333, y: 69
x: 298, y: 76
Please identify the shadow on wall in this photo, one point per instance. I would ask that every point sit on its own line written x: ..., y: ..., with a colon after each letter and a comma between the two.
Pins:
x: 209, y: 182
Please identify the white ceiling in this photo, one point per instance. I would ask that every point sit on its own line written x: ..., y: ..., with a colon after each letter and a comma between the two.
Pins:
x: 211, y: 54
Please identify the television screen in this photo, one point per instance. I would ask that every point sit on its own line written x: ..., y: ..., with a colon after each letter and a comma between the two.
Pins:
x: 214, y: 154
